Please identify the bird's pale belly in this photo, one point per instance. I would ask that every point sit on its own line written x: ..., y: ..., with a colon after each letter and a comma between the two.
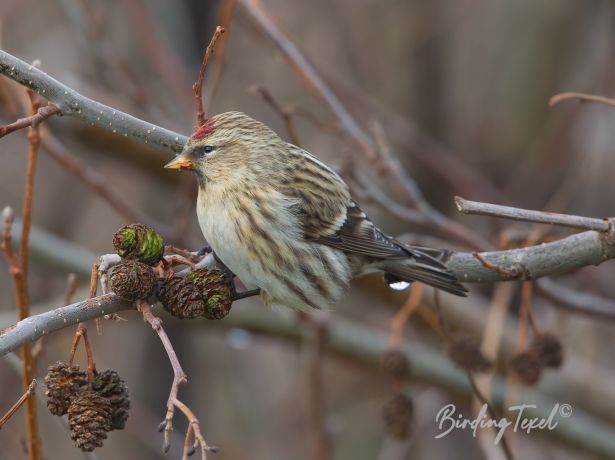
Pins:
x: 293, y: 272
x: 220, y: 235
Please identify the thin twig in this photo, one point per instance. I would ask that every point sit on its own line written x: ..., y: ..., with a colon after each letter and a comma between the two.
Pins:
x: 512, y: 272
x: 39, y: 116
x: 401, y: 317
x: 18, y: 403
x: 33, y: 142
x: 285, y: 114
x: 179, y: 377
x: 314, y: 343
x: 227, y: 13
x: 492, y: 414
x: 526, y: 215
x: 581, y: 97
x: 18, y: 265
x: 198, y: 85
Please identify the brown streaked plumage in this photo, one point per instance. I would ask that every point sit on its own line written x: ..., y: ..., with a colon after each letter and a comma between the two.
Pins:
x: 283, y: 221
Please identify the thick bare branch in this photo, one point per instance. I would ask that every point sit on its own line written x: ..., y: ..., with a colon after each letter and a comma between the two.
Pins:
x: 554, y: 258
x: 34, y: 327
x: 74, y: 104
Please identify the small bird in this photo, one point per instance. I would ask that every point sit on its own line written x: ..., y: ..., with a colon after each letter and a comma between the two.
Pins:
x: 284, y: 222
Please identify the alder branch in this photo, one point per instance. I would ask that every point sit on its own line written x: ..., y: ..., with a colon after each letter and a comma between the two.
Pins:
x: 527, y: 215
x: 72, y: 103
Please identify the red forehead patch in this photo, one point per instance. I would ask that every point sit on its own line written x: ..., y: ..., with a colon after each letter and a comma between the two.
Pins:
x: 204, y: 130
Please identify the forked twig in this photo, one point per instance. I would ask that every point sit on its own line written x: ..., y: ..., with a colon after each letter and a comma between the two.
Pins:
x: 40, y: 115
x: 82, y: 330
x: 179, y: 377
x: 285, y: 114
x: 198, y: 85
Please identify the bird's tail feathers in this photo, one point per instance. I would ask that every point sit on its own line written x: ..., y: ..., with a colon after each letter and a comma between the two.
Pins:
x: 426, y: 268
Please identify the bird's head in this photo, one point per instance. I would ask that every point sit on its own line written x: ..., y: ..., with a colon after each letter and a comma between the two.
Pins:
x: 228, y: 146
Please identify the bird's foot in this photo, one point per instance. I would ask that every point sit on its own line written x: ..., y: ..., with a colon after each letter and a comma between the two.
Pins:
x: 245, y: 294
x: 204, y: 251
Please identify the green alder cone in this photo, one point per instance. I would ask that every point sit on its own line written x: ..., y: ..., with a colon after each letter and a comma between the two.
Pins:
x: 139, y: 242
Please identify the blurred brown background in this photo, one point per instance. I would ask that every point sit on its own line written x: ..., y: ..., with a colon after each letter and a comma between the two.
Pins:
x: 452, y: 83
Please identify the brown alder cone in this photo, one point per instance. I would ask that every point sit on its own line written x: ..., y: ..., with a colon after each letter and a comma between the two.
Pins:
x: 132, y: 280
x: 397, y: 414
x: 549, y: 350
x: 466, y: 354
x: 284, y: 222
x: 527, y: 366
x: 89, y: 419
x: 110, y: 385
x: 395, y: 363
x: 63, y: 382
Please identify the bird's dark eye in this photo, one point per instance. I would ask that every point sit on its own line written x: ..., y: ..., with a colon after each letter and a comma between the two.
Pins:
x: 208, y: 148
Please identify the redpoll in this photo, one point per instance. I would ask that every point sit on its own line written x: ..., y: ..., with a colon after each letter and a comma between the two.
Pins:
x: 284, y: 222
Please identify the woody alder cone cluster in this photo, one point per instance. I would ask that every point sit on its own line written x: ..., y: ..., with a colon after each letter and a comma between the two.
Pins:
x: 203, y: 293
x: 93, y: 410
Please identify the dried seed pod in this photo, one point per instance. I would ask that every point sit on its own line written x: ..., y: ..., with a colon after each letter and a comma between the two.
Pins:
x: 139, y: 242
x: 63, y: 382
x: 110, y: 385
x: 466, y: 354
x: 397, y: 413
x: 527, y: 366
x: 202, y: 293
x: 215, y: 288
x: 548, y: 349
x: 395, y: 363
x: 132, y: 280
x: 89, y: 418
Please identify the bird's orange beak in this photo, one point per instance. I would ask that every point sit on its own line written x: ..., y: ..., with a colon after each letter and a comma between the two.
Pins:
x: 181, y: 161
